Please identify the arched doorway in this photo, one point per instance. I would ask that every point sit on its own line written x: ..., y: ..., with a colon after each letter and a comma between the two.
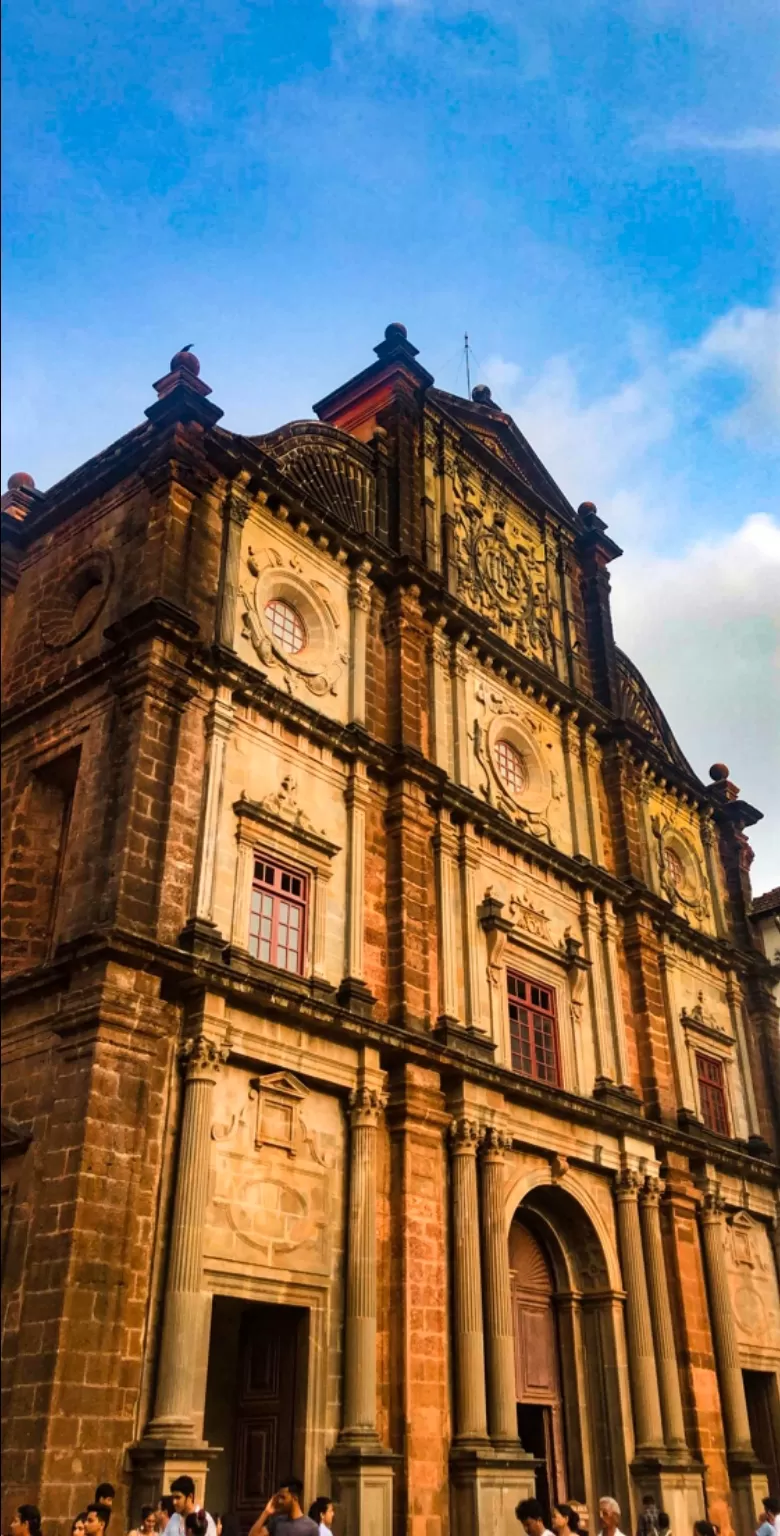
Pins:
x: 571, y: 1372
x: 537, y: 1363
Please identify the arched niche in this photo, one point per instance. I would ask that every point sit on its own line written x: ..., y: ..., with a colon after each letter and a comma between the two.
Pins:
x: 570, y: 1344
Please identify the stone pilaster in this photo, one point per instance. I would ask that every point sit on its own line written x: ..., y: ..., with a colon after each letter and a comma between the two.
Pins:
x: 236, y: 513
x: 469, y: 1342
x: 459, y: 671
x: 590, y: 921
x: 469, y: 860
x: 219, y: 724
x: 438, y: 684
x: 641, y: 1351
x: 614, y: 995
x: 359, y: 609
x: 661, y: 1315
x: 499, y: 1329
x: 353, y: 990
x: 734, y: 1000
x: 709, y: 839
x: 445, y: 849
x: 185, y: 1312
x: 724, y: 1334
x: 591, y: 767
x: 571, y: 770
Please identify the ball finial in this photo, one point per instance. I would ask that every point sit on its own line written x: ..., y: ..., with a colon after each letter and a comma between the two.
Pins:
x: 21, y: 481
x: 719, y: 772
x: 395, y: 330
x: 587, y: 508
x: 185, y: 361
x: 481, y: 395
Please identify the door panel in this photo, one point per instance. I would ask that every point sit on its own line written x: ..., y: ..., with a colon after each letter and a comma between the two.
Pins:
x: 265, y: 1407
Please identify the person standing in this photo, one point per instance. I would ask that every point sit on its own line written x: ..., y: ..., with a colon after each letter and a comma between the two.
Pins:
x: 96, y: 1519
x: 531, y: 1516
x: 647, y: 1524
x: 284, y: 1508
x: 147, y: 1525
x: 322, y: 1512
x: 564, y: 1520
x: 183, y: 1495
x: 609, y: 1516
x: 26, y: 1521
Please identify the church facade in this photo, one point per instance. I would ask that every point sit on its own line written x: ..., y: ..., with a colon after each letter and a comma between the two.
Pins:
x: 391, y: 1083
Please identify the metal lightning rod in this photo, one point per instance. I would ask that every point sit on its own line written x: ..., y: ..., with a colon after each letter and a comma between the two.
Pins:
x: 468, y: 369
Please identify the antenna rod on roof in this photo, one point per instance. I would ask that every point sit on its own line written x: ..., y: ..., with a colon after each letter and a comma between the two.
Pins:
x: 468, y: 369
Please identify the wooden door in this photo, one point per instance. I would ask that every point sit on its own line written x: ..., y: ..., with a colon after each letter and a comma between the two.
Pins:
x: 265, y: 1407
x: 536, y: 1360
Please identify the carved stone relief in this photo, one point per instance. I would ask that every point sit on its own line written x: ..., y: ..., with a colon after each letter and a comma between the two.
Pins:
x: 753, y: 1283
x: 535, y: 787
x: 277, y: 1180
x: 679, y: 872
x: 501, y: 565
x: 317, y: 667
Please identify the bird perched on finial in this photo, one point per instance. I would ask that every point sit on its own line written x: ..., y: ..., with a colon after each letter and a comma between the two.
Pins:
x: 185, y: 358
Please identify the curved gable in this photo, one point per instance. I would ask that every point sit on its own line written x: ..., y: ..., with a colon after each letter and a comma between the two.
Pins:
x: 330, y: 467
x: 639, y: 706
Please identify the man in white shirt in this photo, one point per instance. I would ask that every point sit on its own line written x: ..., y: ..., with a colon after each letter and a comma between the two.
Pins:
x: 609, y: 1515
x: 531, y: 1516
x: 183, y: 1495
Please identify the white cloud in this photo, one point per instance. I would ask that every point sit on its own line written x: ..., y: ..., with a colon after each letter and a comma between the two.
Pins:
x: 704, y: 628
x: 741, y: 141
x: 746, y: 341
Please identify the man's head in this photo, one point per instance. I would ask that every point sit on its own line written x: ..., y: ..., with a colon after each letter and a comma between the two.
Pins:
x: 648, y: 1500
x: 322, y: 1511
x: 772, y: 1506
x: 531, y: 1516
x: 105, y: 1493
x: 96, y: 1520
x: 664, y: 1521
x: 609, y: 1513
x: 288, y: 1498
x: 26, y: 1521
x: 183, y: 1494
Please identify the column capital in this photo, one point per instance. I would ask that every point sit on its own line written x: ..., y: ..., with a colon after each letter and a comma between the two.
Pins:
x: 359, y: 593
x: 495, y: 1143
x: 651, y: 1192
x: 365, y: 1106
x: 627, y: 1183
x: 713, y: 1206
x: 202, y: 1058
x: 465, y: 1136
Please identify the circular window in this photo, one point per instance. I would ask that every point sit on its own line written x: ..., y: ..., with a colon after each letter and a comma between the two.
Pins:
x: 511, y: 768
x: 286, y: 626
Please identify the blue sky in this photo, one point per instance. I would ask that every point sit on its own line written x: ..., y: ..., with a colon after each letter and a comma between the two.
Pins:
x: 591, y: 190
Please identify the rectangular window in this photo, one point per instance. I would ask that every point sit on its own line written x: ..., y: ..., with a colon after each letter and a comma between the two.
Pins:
x: 277, y: 917
x: 712, y: 1094
x: 532, y: 1029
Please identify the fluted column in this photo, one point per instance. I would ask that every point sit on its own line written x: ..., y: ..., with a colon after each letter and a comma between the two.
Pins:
x: 639, y: 1330
x: 499, y: 1328
x: 183, y: 1314
x: 360, y: 1328
x: 660, y: 1311
x: 358, y: 794
x: 459, y: 671
x: 470, y: 1404
x: 218, y: 728
x: 724, y: 1335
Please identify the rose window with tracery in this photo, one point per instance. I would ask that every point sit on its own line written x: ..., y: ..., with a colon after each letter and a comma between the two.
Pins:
x: 286, y: 626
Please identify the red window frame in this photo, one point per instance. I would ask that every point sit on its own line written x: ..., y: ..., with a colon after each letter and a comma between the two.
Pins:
x: 533, y: 1029
x: 278, y: 914
x: 712, y: 1093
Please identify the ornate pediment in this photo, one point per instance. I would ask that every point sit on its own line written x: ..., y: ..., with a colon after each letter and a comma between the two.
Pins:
x: 330, y: 467
x: 502, y: 569
x: 638, y: 705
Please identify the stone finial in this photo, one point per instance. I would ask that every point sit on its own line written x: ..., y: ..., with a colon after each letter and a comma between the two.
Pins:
x: 718, y: 771
x: 182, y: 393
x: 184, y: 369
x: 396, y: 343
x: 20, y: 497
x: 481, y: 395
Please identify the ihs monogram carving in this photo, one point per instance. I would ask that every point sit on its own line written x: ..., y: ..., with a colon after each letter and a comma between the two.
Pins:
x: 501, y: 575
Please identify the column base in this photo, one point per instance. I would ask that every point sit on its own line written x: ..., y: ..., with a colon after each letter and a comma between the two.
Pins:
x: 486, y: 1484
x: 161, y: 1456
x: 749, y: 1485
x: 201, y: 937
x: 676, y: 1483
x: 362, y: 1475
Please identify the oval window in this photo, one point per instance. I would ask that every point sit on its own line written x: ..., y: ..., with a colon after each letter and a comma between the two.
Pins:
x: 286, y: 626
x: 511, y: 768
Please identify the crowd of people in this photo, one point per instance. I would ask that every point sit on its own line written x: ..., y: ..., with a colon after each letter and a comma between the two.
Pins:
x: 178, y: 1514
